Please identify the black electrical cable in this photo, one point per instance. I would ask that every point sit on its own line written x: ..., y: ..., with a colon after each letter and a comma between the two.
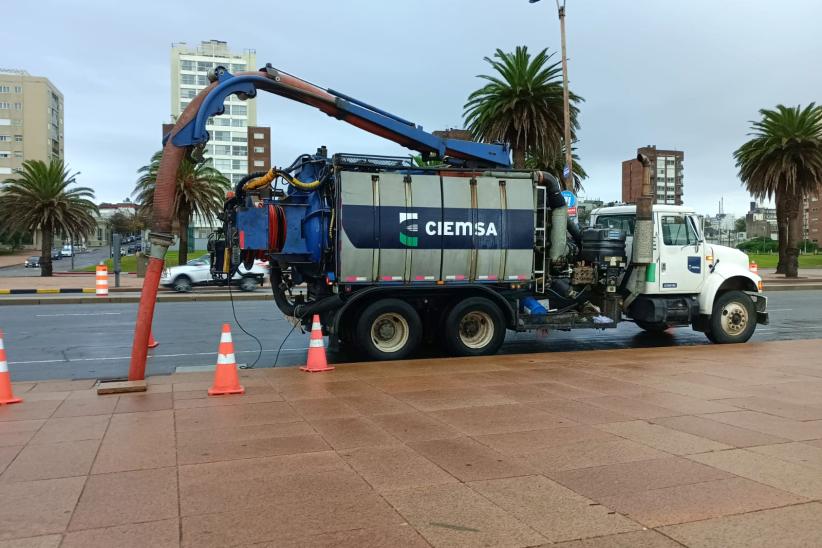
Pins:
x: 237, y: 321
x: 277, y: 357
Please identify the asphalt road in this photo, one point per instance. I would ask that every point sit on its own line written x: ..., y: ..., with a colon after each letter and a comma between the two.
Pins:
x: 94, y: 340
x: 92, y: 256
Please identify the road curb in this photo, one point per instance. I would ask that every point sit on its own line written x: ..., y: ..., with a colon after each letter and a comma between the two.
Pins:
x: 60, y: 290
x: 116, y: 299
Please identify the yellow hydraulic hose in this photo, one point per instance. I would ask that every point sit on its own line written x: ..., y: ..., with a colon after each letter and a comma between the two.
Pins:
x: 272, y: 174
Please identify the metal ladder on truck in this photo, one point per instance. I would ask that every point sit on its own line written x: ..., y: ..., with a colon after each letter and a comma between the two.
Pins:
x: 540, y: 239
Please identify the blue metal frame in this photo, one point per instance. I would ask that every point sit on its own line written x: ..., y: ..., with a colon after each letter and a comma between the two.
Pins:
x: 407, y: 133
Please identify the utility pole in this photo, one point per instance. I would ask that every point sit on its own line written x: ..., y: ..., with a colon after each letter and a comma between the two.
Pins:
x: 568, y: 170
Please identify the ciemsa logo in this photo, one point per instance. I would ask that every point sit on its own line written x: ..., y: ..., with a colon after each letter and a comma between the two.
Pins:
x: 409, y: 229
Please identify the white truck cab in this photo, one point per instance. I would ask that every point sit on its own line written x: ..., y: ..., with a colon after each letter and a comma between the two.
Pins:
x: 690, y: 281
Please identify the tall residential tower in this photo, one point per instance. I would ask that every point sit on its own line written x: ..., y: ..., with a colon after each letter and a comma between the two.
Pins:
x: 236, y: 144
x: 666, y: 176
x: 31, y: 120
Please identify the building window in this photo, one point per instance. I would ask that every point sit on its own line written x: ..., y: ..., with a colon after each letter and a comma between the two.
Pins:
x: 240, y: 151
x: 238, y: 123
x: 18, y: 106
x: 222, y: 165
x: 188, y: 93
x: 259, y: 150
x: 259, y: 136
x: 18, y: 89
x: 5, y: 138
x: 259, y: 163
x: 188, y: 79
x: 240, y: 110
x: 4, y: 154
x: 238, y: 67
x: 18, y: 138
x: 204, y: 66
x: 5, y: 89
x: 186, y: 64
x: 4, y: 105
x: 222, y: 135
x: 239, y: 165
x: 222, y: 150
x: 239, y: 139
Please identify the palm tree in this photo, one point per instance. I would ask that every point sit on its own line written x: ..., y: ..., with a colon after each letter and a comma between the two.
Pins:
x: 39, y: 197
x: 784, y: 160
x: 521, y: 104
x: 200, y: 191
x: 554, y: 164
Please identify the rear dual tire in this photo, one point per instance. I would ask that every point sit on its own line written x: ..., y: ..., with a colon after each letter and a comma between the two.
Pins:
x: 391, y: 329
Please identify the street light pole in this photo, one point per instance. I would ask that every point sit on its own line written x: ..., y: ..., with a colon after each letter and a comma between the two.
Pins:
x: 569, y: 159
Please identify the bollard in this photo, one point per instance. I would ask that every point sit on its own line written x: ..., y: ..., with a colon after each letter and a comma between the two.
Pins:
x: 101, y: 283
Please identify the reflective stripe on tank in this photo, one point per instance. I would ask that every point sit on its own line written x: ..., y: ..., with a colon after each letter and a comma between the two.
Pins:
x: 516, y: 277
x: 490, y: 278
x: 392, y: 278
x: 425, y: 278
x: 455, y: 277
x: 356, y: 279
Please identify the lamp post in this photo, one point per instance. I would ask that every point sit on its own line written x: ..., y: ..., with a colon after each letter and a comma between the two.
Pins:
x: 568, y: 170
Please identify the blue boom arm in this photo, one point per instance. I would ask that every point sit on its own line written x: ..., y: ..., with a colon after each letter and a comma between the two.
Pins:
x: 340, y: 106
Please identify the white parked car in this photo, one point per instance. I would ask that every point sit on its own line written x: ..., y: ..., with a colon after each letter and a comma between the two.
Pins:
x: 198, y: 272
x: 67, y: 251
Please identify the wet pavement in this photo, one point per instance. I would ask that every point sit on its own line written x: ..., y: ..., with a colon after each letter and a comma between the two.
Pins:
x: 657, y: 447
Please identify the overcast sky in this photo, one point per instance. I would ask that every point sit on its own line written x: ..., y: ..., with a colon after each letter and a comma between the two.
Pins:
x: 688, y: 74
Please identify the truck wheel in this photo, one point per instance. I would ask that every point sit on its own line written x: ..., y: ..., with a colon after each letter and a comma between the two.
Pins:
x: 733, y: 319
x: 474, y: 327
x: 652, y: 327
x: 389, y: 329
x: 248, y: 283
x: 182, y: 284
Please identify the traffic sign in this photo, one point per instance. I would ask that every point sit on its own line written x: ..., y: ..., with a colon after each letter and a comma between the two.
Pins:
x: 570, y: 198
x: 566, y: 171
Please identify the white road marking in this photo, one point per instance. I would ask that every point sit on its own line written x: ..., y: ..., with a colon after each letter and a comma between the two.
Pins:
x: 780, y: 309
x: 85, y: 314
x: 110, y: 358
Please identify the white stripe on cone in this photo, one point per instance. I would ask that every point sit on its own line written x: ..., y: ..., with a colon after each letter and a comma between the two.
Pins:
x: 225, y: 359
x: 225, y: 337
x: 315, y: 343
x: 4, y: 366
x: 316, y: 326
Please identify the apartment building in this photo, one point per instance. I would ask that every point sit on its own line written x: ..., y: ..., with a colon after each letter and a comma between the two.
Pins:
x: 666, y: 176
x: 31, y: 120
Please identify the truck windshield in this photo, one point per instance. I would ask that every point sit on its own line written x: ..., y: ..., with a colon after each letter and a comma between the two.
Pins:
x: 622, y: 222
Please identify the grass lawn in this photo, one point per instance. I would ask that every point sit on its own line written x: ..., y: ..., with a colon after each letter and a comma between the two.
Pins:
x: 767, y: 260
x: 129, y: 262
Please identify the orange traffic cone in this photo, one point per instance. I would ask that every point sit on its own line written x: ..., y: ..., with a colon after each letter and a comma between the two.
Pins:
x: 226, y: 379
x: 151, y: 342
x: 6, y: 394
x: 316, y: 350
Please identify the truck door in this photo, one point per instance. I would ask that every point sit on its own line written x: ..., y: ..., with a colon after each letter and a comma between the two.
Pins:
x: 681, y: 258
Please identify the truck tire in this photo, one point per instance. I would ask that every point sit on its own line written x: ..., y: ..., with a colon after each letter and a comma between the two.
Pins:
x: 248, y: 283
x: 474, y: 327
x: 733, y: 319
x: 388, y: 329
x: 652, y: 327
x: 182, y: 284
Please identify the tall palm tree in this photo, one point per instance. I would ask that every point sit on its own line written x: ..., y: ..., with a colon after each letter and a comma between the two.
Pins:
x: 554, y: 164
x: 521, y: 104
x: 200, y: 191
x: 784, y: 159
x: 39, y: 197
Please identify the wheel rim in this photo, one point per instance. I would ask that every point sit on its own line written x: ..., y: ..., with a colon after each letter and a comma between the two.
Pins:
x: 734, y: 319
x: 476, y: 329
x: 182, y: 286
x: 389, y: 332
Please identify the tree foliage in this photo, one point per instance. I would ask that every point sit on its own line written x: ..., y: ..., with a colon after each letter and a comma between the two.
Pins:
x: 199, y: 192
x: 41, y: 196
x: 521, y: 104
x: 783, y: 160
